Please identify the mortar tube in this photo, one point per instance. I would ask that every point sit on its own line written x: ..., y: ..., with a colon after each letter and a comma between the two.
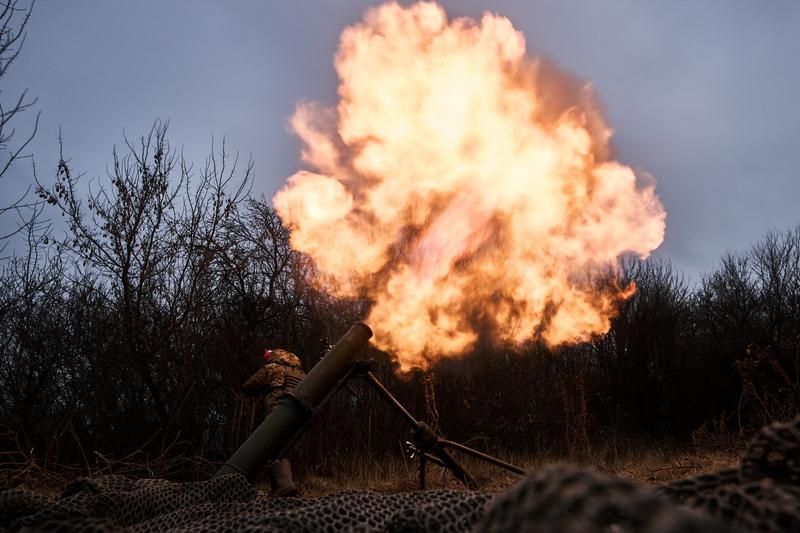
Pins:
x: 284, y: 423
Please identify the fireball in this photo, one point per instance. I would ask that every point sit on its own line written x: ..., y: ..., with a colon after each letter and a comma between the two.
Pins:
x: 465, y: 186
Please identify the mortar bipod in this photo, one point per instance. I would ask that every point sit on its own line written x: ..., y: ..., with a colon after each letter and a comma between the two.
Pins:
x: 426, y: 443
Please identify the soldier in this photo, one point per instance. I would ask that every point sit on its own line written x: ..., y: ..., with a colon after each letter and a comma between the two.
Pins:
x: 280, y: 374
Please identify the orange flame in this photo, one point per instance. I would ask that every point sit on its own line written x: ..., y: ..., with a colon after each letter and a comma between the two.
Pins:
x: 465, y: 187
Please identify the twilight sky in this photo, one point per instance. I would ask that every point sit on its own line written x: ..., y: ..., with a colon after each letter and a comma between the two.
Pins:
x: 702, y: 95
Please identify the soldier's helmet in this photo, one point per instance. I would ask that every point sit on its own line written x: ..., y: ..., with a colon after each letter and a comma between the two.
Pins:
x: 282, y: 357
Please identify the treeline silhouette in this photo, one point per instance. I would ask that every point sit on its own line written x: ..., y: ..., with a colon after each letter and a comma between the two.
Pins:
x: 126, y: 335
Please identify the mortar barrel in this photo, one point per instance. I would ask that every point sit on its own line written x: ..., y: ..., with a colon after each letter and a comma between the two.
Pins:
x: 288, y: 418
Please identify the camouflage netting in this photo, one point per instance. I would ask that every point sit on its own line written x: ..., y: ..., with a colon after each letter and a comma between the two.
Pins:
x: 762, y: 495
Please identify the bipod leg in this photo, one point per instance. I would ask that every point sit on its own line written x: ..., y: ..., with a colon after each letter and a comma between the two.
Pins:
x: 483, y: 456
x: 426, y: 440
x: 455, y: 467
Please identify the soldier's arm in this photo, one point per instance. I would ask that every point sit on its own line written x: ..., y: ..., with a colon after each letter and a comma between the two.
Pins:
x: 258, y: 381
x: 267, y: 378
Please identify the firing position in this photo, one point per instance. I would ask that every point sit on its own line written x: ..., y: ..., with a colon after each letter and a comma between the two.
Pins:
x: 279, y: 375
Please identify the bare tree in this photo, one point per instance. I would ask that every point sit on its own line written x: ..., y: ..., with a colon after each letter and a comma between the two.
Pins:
x: 147, y: 240
x: 13, y: 23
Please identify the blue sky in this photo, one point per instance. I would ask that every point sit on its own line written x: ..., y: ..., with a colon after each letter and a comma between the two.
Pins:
x: 703, y: 95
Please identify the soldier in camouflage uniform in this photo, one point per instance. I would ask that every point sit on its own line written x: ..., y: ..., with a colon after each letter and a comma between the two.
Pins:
x: 280, y: 373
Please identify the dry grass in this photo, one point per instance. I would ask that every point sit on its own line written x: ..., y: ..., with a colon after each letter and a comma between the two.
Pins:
x: 28, y: 474
x: 648, y: 464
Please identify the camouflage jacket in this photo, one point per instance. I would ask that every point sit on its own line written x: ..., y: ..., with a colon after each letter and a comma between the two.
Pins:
x: 282, y: 371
